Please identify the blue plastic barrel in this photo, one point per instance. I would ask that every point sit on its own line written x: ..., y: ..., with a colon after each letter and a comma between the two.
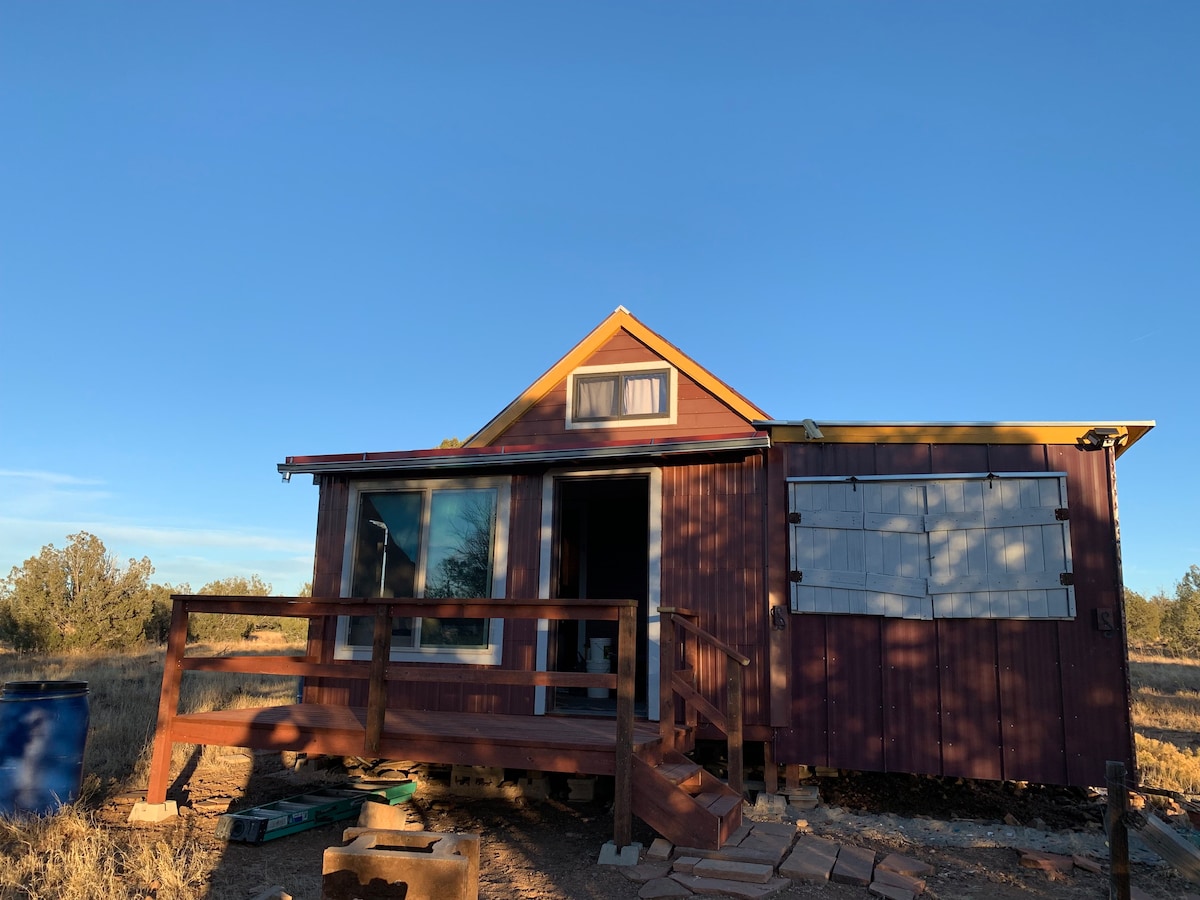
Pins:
x: 43, y: 733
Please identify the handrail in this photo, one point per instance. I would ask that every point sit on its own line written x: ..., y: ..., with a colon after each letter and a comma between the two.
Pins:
x: 672, y: 683
x: 380, y: 669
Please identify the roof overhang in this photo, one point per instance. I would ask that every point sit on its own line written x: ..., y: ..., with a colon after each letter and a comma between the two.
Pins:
x: 460, y: 458
x: 1086, y: 435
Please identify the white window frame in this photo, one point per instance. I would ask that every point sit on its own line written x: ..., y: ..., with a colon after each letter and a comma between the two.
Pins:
x: 485, y: 656
x: 669, y: 418
x: 902, y: 571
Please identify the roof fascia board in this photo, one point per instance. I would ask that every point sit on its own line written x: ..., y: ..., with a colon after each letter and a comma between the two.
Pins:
x: 619, y: 319
x: 954, y: 432
x: 342, y: 466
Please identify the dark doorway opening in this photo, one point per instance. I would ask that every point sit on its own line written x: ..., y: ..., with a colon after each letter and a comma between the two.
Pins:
x: 601, y: 551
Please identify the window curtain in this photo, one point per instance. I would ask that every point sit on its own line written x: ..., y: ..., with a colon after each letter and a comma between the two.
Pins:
x: 645, y: 395
x: 596, y: 398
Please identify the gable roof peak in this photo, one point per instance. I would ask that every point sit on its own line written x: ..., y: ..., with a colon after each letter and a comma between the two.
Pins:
x: 619, y: 319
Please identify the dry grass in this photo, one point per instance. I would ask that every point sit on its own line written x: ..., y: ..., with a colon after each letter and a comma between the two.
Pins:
x: 1166, y: 720
x: 71, y: 853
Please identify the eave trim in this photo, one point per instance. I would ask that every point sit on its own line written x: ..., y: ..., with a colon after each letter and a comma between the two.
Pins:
x: 380, y: 462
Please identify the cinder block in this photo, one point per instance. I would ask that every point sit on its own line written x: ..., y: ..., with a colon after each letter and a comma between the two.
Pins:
x: 476, y: 781
x: 535, y: 787
x: 581, y: 790
x: 384, y: 817
x: 416, y: 865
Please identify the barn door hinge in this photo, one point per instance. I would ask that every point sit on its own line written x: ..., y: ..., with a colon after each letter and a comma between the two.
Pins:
x: 1062, y: 514
x: 794, y: 518
x: 795, y: 576
x: 1066, y: 579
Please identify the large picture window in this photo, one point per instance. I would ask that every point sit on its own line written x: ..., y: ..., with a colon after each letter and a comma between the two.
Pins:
x: 632, y: 394
x: 427, y: 539
x: 946, y: 546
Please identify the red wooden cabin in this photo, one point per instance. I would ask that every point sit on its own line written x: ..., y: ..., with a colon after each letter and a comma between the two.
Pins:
x: 941, y: 599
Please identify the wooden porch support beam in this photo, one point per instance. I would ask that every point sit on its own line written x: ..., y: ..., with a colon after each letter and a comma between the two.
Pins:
x: 770, y: 769
x: 733, y: 683
x: 381, y: 649
x: 667, y: 652
x: 168, y: 705
x: 623, y: 764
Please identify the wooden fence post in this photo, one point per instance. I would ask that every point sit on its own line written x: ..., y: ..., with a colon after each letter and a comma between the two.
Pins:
x: 1118, y: 831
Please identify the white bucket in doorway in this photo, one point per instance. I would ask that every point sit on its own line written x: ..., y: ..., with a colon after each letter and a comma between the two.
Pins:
x: 598, y: 663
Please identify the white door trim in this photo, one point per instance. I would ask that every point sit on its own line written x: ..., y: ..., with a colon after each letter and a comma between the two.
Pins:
x: 653, y: 574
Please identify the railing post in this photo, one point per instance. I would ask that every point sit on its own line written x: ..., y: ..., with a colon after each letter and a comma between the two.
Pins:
x: 168, y: 704
x: 381, y: 648
x: 733, y: 687
x: 623, y: 764
x: 667, y: 653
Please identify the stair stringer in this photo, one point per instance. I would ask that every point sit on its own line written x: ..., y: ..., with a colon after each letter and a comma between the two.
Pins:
x: 674, y: 811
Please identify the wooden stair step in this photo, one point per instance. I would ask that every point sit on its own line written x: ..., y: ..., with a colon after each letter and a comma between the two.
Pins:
x: 719, y: 804
x: 679, y: 772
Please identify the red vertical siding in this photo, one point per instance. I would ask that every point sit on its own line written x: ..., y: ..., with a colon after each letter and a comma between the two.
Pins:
x: 855, y: 689
x: 911, y: 697
x: 1029, y: 700
x: 712, y: 563
x: 969, y: 693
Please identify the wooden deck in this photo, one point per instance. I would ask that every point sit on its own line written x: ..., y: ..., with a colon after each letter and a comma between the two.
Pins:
x: 549, y: 743
x: 595, y: 746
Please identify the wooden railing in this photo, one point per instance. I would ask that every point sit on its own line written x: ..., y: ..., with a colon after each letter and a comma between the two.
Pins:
x: 682, y: 644
x: 380, y: 670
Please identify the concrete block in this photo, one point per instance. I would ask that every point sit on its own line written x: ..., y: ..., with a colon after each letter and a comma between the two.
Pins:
x: 275, y: 892
x: 476, y: 781
x: 581, y: 790
x: 660, y: 848
x: 153, y: 812
x: 382, y: 816
x: 629, y: 855
x: 770, y: 804
x: 685, y: 864
x: 889, y: 891
x: 535, y: 787
x: 417, y: 865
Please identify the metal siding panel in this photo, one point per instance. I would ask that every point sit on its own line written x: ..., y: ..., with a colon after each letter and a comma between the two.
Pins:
x: 912, y: 726
x: 970, y: 703
x: 854, y: 650
x: 1094, y: 668
x: 806, y: 740
x: 1031, y: 709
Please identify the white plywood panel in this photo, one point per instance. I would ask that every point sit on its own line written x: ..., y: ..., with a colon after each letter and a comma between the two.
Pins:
x: 915, y: 523
x: 995, y: 581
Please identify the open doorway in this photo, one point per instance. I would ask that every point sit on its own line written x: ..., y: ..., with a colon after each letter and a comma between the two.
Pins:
x: 600, y: 551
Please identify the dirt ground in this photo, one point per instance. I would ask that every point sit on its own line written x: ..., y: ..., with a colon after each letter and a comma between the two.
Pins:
x: 547, y: 850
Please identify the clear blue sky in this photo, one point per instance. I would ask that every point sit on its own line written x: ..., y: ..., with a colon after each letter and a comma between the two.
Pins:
x: 233, y: 232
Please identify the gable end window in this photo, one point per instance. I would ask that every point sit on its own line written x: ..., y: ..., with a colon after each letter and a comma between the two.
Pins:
x: 613, y: 396
x: 945, y: 546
